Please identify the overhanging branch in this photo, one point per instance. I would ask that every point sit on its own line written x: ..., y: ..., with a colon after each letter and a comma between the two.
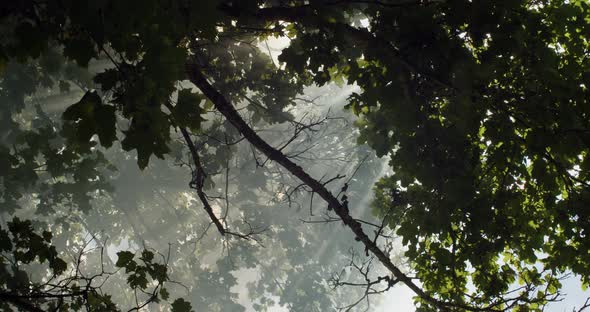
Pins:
x: 227, y: 109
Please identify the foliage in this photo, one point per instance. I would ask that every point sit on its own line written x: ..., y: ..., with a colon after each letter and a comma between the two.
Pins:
x: 480, y: 106
x: 59, y: 290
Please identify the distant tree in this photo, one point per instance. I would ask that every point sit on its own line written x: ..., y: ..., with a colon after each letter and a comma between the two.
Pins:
x: 481, y: 106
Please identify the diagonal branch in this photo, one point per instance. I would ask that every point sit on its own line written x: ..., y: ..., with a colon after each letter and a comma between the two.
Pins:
x: 226, y: 108
x: 199, y: 179
x: 197, y: 183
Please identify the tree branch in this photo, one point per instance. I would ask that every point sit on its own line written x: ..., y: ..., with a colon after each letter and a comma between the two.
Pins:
x: 226, y: 108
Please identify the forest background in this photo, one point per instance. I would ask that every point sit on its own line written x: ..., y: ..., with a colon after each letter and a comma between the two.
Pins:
x: 154, y: 155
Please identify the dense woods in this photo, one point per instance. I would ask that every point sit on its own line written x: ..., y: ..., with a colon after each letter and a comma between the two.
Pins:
x: 306, y: 155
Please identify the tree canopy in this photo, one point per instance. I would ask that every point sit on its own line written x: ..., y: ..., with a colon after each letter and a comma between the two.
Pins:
x: 480, y: 108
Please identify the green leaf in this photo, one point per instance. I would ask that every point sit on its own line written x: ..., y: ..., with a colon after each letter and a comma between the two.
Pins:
x: 107, y: 79
x: 138, y: 279
x: 81, y: 49
x: 164, y: 294
x: 58, y: 266
x: 179, y: 305
x: 124, y: 259
x: 187, y: 112
x: 159, y: 272
x: 147, y: 256
x: 5, y: 243
x: 105, y: 119
x: 32, y: 39
x: 88, y: 117
x: 149, y: 134
x: 47, y: 236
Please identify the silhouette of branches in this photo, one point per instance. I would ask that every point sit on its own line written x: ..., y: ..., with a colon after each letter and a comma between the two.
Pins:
x: 370, y: 286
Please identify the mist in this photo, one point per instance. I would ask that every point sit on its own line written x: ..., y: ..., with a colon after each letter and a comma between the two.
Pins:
x: 294, y: 156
